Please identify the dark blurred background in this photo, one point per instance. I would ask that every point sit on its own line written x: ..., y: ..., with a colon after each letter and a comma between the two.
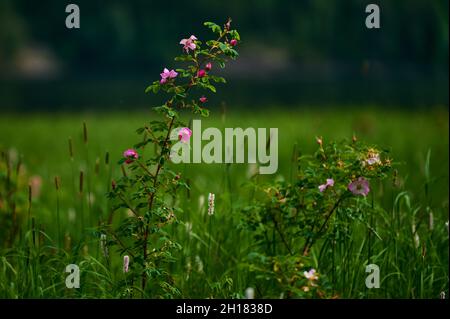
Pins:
x: 311, y: 52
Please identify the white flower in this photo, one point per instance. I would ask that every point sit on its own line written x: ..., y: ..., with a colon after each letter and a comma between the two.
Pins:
x: 416, y: 240
x: 250, y: 293
x: 311, y: 275
x: 103, y: 245
x: 416, y: 236
x: 373, y: 157
x: 126, y: 263
x: 211, y: 198
x: 199, y: 263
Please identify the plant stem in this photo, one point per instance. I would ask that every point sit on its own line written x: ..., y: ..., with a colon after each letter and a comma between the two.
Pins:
x: 152, y: 197
x: 282, y: 236
x: 311, y: 240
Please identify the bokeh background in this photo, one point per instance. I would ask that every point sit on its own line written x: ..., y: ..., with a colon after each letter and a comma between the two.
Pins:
x: 293, y: 53
x: 309, y: 68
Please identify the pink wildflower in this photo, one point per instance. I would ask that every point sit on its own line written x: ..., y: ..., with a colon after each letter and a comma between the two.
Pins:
x: 329, y: 183
x: 311, y: 275
x: 203, y: 99
x: 233, y: 42
x: 166, y: 75
x: 184, y: 134
x: 359, y: 187
x: 189, y: 44
x: 208, y: 66
x: 130, y: 155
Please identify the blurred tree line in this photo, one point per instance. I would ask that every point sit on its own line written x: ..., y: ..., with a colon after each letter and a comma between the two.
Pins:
x: 120, y: 38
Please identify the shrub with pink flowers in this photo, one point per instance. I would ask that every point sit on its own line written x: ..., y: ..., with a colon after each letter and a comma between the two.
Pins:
x: 329, y: 195
x: 147, y: 181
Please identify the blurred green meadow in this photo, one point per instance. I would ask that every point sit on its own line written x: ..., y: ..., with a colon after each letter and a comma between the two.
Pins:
x: 415, y: 203
x: 42, y: 139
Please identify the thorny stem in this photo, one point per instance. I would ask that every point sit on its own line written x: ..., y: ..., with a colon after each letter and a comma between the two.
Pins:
x: 311, y: 240
x: 152, y: 197
x: 281, y: 235
x: 128, y: 205
x: 121, y: 244
x: 145, y: 168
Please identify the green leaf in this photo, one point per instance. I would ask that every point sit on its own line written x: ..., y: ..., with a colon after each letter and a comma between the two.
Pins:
x: 179, y: 89
x: 184, y: 58
x: 235, y: 35
x: 154, y: 87
x: 217, y: 79
x: 214, y: 27
x: 180, y: 96
x: 210, y: 87
x: 204, y: 112
x: 211, y: 43
x: 223, y: 47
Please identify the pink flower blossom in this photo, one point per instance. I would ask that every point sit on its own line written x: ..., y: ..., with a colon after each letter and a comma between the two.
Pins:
x: 166, y: 75
x: 311, y: 275
x: 189, y: 44
x: 130, y: 155
x: 233, y: 42
x: 126, y: 263
x: 184, y: 134
x: 208, y: 66
x: 329, y: 183
x: 359, y: 187
x: 203, y: 99
x: 201, y: 73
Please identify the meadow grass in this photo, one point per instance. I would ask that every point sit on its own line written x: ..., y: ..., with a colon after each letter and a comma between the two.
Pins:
x: 58, y: 227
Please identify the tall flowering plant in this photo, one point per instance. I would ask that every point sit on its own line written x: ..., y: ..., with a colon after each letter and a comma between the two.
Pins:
x: 148, y: 186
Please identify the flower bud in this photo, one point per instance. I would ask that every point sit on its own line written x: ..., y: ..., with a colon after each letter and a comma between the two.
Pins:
x: 228, y: 25
x: 319, y: 140
x: 201, y: 73
x: 233, y: 42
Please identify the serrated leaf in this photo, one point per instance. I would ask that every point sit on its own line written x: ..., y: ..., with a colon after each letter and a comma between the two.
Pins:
x: 214, y: 27
x: 223, y: 47
x: 235, y: 35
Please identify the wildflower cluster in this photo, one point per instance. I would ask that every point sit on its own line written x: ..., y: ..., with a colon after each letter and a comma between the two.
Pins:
x: 288, y: 219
